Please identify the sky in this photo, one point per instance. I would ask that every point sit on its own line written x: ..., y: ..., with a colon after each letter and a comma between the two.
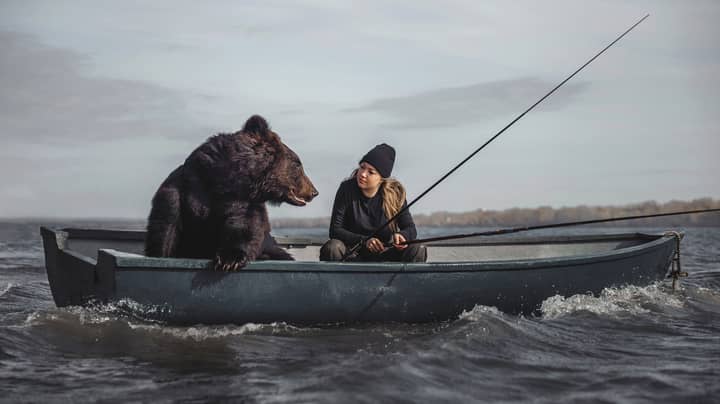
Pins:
x: 101, y: 100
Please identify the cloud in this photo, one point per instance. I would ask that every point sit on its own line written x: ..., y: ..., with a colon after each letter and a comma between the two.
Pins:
x: 90, y: 145
x: 48, y: 97
x: 449, y: 107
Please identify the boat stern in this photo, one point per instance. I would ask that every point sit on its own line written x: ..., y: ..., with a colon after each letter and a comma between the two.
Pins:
x: 71, y: 276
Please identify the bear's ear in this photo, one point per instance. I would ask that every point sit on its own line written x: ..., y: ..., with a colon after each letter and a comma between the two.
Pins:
x: 256, y: 124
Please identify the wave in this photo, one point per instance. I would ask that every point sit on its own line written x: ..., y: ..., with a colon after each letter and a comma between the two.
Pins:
x: 14, y: 254
x: 205, y: 332
x: 129, y: 314
x: 491, y: 325
x: 479, y: 313
x: 625, y: 300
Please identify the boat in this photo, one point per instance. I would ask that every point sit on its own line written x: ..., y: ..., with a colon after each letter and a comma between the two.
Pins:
x: 515, y: 275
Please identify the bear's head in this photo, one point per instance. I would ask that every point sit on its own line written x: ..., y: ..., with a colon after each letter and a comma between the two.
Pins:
x: 284, y: 178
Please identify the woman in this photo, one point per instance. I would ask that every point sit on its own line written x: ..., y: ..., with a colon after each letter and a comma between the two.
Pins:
x: 363, y: 203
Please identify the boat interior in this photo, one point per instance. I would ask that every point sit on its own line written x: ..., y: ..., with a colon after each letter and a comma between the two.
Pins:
x: 87, y: 242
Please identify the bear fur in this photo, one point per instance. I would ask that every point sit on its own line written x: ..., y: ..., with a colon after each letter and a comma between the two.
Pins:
x: 213, y: 205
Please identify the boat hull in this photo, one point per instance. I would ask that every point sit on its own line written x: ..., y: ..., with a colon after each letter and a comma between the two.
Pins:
x: 184, y: 291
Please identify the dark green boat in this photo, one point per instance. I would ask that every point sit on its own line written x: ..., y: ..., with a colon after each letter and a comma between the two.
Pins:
x: 515, y: 275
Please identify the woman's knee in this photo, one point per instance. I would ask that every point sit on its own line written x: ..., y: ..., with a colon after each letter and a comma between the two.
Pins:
x: 415, y: 253
x: 332, y: 250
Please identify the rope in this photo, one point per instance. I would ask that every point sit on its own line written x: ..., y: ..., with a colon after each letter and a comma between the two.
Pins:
x: 676, y: 272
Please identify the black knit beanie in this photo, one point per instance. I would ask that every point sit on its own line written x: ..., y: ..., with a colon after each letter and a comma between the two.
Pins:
x: 382, y: 157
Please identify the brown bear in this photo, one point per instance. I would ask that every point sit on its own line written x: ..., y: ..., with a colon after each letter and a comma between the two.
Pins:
x: 213, y: 205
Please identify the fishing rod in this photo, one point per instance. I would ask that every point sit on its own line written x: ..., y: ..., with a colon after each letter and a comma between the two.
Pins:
x: 554, y: 225
x: 357, y: 246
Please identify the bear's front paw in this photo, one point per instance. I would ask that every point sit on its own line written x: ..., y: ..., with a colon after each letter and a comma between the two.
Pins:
x: 229, y: 264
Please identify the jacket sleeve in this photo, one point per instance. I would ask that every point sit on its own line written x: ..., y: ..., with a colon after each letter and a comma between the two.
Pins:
x: 338, y: 225
x: 406, y: 224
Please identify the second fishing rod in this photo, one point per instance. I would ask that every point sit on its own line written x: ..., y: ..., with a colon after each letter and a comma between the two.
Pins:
x: 357, y: 246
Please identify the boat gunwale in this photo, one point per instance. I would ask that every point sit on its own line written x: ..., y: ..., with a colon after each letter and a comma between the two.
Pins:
x: 127, y: 262
x: 300, y: 242
x: 124, y: 261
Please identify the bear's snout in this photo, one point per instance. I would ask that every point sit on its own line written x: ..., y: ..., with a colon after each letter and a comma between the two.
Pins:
x: 312, y: 194
x: 304, y: 193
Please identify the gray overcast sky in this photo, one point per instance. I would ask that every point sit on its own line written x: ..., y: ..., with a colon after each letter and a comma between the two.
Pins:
x: 100, y: 100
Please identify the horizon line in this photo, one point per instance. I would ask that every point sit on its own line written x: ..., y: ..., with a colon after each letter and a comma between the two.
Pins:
x: 127, y: 218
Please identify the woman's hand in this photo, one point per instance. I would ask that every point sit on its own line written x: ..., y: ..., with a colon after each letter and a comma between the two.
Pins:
x: 398, y: 239
x: 374, y: 245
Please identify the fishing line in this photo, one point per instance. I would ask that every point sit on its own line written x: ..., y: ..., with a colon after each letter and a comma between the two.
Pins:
x: 554, y: 225
x: 357, y: 246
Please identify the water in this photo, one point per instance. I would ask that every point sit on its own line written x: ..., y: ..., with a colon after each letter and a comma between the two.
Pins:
x: 628, y: 345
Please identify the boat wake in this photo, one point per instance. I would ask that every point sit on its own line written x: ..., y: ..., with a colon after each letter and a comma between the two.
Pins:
x: 479, y: 313
x: 68, y: 315
x: 206, y: 332
x: 133, y: 316
x: 626, y: 300
x: 488, y: 322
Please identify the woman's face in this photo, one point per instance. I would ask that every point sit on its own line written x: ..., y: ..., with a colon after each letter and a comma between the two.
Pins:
x: 368, y: 178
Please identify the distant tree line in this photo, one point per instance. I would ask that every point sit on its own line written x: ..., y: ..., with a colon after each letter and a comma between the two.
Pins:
x: 547, y: 215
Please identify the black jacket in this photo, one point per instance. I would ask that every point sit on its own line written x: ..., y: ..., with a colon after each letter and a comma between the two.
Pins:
x: 355, y: 216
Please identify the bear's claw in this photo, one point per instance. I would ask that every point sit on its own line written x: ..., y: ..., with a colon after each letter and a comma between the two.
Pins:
x: 228, y: 265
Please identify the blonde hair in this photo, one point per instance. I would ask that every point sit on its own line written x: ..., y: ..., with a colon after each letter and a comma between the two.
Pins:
x: 393, y: 195
x: 393, y: 199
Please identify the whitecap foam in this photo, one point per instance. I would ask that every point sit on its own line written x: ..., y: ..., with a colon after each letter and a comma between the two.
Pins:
x: 6, y: 288
x: 33, y: 318
x: 89, y: 317
x: 479, y: 313
x: 489, y: 322
x: 203, y: 332
x: 629, y: 299
x: 82, y: 315
x: 133, y: 307
x: 114, y: 312
x: 92, y: 315
x: 111, y: 315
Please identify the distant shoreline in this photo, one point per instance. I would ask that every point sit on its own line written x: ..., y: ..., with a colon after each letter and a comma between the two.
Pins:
x: 547, y: 215
x: 494, y: 218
